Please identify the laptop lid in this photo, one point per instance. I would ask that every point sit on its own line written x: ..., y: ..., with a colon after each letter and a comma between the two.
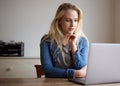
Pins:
x: 103, y: 64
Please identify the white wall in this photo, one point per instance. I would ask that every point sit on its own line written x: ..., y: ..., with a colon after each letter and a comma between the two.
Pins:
x: 28, y: 20
x: 117, y: 21
x: 98, y: 20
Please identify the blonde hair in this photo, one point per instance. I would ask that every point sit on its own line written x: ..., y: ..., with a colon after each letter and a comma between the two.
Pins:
x: 55, y: 33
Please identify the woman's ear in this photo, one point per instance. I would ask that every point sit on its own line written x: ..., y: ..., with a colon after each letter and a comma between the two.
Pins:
x: 59, y: 22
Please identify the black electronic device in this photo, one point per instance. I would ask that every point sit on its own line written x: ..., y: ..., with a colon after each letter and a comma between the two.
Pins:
x: 11, y: 48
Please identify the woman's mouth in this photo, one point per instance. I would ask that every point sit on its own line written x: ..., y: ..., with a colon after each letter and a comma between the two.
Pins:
x: 71, y: 29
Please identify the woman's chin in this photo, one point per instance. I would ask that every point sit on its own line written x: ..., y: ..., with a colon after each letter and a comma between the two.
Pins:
x: 70, y: 33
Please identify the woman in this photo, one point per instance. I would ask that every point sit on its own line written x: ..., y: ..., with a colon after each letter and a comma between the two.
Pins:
x: 64, y: 50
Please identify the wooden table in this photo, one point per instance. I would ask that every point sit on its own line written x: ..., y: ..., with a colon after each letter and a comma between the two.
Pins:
x: 43, y: 82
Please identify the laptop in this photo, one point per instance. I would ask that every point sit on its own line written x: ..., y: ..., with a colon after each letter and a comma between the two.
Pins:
x: 103, y: 64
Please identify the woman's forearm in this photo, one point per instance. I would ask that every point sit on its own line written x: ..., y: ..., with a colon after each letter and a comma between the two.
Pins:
x: 81, y: 73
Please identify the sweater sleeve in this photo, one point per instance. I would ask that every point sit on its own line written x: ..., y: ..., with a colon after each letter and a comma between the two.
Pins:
x: 81, y: 55
x: 48, y: 67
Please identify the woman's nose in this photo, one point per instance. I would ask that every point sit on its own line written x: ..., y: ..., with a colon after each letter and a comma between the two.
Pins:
x: 72, y: 23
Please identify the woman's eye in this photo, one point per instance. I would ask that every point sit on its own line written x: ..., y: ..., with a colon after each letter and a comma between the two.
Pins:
x: 76, y: 20
x: 67, y: 20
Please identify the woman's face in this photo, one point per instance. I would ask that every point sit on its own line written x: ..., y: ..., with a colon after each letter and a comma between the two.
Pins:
x: 69, y: 22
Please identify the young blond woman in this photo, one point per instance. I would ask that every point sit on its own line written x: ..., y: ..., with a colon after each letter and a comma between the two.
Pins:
x: 64, y: 50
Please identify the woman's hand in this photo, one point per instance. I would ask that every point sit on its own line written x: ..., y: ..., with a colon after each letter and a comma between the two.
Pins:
x: 72, y: 43
x: 81, y: 73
